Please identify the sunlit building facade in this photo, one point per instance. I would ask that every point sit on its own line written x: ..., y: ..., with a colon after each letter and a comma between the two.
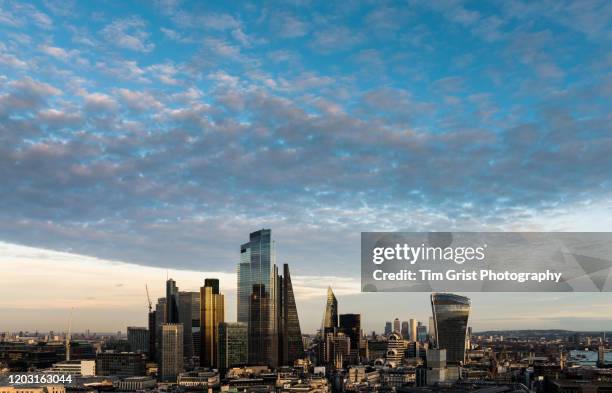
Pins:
x: 450, y: 314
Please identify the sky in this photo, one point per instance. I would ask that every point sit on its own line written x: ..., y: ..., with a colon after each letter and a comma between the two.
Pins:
x: 159, y: 134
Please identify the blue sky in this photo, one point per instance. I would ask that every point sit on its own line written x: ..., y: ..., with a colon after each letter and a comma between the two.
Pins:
x: 162, y: 133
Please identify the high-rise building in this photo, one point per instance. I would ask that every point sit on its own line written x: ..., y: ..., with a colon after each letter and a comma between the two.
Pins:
x: 421, y: 333
x: 212, y: 313
x: 138, y: 339
x: 396, y: 325
x: 350, y: 325
x: 152, y: 334
x: 171, y: 364
x: 257, y: 297
x: 171, y: 302
x: 160, y: 319
x: 450, y: 313
x: 405, y: 330
x: 388, y: 328
x: 233, y: 345
x: 291, y: 346
x: 330, y: 318
x: 189, y: 316
x: 413, y: 330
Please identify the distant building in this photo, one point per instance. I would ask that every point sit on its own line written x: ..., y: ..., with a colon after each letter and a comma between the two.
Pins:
x: 152, y: 334
x: 405, y: 330
x: 330, y: 318
x: 350, y: 325
x: 78, y: 368
x: 421, y: 333
x: 291, y: 347
x: 212, y: 313
x: 160, y: 319
x: 450, y: 313
x: 121, y: 364
x: 396, y: 325
x: 135, y: 384
x: 171, y: 363
x: 189, y: 316
x: 138, y: 339
x: 233, y: 345
x: 413, y: 330
x: 171, y: 302
x: 388, y: 328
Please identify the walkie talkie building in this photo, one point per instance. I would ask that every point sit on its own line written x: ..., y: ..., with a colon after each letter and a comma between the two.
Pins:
x: 450, y: 314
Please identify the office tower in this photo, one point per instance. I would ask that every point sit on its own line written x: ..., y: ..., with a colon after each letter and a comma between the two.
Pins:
x: 350, y: 325
x: 171, y: 364
x: 450, y: 313
x: 436, y: 366
x: 405, y: 330
x: 171, y: 302
x: 413, y: 330
x: 138, y: 339
x: 212, y: 313
x: 189, y: 316
x: 396, y: 325
x: 152, y: 334
x: 257, y: 297
x: 421, y: 333
x: 330, y: 318
x: 388, y: 328
x: 160, y: 319
x: 233, y: 347
x: 124, y: 364
x: 291, y: 346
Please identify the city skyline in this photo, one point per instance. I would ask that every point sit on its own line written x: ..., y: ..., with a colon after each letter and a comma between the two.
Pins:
x: 142, y: 138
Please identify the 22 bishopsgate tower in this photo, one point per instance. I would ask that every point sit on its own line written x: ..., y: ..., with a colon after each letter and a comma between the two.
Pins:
x: 266, y: 304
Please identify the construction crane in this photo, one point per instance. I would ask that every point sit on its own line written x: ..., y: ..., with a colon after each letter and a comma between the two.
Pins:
x: 149, y: 298
x: 68, y: 336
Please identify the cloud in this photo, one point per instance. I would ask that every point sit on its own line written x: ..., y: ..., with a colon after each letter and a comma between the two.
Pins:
x: 128, y: 33
x: 99, y: 102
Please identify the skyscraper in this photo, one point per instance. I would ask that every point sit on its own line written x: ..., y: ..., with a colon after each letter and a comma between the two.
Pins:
x: 233, y: 345
x: 432, y: 330
x: 350, y: 325
x: 152, y: 334
x: 257, y: 297
x: 413, y: 329
x: 171, y: 302
x: 212, y: 313
x: 171, y: 363
x: 405, y: 330
x: 450, y: 314
x: 330, y: 318
x: 189, y: 316
x: 388, y: 328
x: 160, y: 319
x: 396, y: 325
x: 291, y: 346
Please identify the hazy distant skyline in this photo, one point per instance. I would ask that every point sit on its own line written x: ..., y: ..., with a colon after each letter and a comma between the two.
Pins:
x: 160, y: 134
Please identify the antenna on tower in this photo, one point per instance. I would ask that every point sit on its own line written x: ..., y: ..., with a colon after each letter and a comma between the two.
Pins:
x: 149, y: 298
x: 68, y: 336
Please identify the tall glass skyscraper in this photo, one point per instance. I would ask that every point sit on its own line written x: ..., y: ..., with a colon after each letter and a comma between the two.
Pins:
x: 257, y: 297
x: 330, y: 318
x: 189, y: 316
x: 450, y: 314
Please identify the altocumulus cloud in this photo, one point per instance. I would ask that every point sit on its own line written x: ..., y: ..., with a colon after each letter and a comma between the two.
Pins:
x: 168, y: 152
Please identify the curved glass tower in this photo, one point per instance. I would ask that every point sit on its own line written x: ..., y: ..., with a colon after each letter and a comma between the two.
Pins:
x: 450, y: 314
x: 330, y: 318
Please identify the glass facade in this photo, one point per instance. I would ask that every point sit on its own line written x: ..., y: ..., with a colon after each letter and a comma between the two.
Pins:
x: 189, y: 316
x: 291, y: 345
x: 233, y: 345
x: 212, y: 313
x: 171, y: 364
x: 257, y: 297
x: 330, y: 319
x: 171, y: 302
x: 450, y: 314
